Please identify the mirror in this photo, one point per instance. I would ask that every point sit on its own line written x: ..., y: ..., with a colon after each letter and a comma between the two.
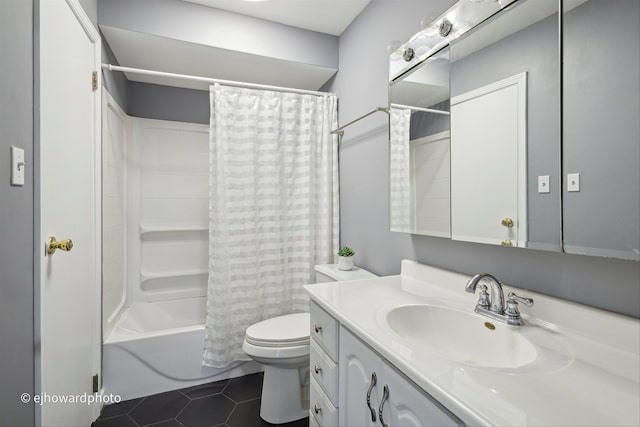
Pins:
x: 601, y: 130
x: 504, y: 130
x: 419, y: 149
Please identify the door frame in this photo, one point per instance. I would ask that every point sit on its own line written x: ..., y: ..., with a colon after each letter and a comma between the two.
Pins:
x: 95, y: 39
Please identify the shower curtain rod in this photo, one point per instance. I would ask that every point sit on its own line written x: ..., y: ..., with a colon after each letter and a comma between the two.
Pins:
x: 426, y: 110
x: 340, y: 130
x: 111, y: 67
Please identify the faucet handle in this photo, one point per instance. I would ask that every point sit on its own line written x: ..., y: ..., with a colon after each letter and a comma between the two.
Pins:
x: 515, y: 298
x: 483, y: 298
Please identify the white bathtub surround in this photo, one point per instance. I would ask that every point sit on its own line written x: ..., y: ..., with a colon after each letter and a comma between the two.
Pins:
x: 155, y: 215
x: 157, y: 347
x: 155, y: 252
x: 273, y: 208
x: 583, y: 366
x: 115, y: 128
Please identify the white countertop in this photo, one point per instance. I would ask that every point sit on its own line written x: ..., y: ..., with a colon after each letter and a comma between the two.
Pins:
x: 590, y: 375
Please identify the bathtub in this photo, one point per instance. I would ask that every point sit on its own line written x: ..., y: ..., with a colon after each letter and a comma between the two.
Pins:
x: 157, y: 346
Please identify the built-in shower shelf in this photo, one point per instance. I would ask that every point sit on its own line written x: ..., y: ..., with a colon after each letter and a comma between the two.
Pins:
x: 151, y: 229
x: 146, y: 276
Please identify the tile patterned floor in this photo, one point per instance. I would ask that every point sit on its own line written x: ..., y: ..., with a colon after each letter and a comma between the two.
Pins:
x: 232, y: 403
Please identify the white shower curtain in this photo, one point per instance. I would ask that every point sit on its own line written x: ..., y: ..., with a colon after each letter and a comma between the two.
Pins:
x: 273, y: 209
x: 400, y: 169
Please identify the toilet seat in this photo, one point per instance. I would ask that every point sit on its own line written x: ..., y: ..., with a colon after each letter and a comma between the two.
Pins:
x: 291, y: 330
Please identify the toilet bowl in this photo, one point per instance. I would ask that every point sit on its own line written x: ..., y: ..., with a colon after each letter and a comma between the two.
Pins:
x: 281, y: 344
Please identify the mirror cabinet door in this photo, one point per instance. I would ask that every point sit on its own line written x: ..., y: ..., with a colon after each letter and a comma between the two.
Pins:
x: 601, y: 128
x: 505, y: 129
x: 419, y: 149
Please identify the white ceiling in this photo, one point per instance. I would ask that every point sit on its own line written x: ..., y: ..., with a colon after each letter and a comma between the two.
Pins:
x: 324, y: 16
x: 147, y: 51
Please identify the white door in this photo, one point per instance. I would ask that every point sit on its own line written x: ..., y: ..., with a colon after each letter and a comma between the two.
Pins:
x: 69, y: 297
x: 488, y: 164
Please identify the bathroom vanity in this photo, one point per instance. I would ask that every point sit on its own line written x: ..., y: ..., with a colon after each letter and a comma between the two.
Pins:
x: 410, y: 350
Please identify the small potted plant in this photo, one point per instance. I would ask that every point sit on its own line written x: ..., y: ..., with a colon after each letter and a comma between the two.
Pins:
x: 345, y: 258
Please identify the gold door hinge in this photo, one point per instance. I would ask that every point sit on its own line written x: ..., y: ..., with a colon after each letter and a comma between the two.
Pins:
x: 96, y: 384
x: 94, y: 80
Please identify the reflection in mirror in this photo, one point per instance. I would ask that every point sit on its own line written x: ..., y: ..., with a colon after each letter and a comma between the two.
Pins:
x: 505, y: 129
x: 419, y: 149
x: 601, y: 130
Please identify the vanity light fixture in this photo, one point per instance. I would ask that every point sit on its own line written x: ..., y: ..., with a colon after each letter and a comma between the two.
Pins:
x: 438, y: 31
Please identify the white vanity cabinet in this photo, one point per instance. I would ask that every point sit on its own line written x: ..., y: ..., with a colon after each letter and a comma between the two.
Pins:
x: 373, y: 393
x: 348, y: 380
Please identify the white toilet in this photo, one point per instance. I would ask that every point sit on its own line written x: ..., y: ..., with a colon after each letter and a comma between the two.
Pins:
x: 281, y: 344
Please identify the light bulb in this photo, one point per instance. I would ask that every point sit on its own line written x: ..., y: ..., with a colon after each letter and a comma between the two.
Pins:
x: 394, y: 50
x: 393, y: 47
x: 428, y: 25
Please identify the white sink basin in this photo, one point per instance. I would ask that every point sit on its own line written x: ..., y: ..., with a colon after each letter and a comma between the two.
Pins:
x: 465, y: 338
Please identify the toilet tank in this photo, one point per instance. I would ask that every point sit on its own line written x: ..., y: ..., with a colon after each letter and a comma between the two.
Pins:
x: 331, y: 273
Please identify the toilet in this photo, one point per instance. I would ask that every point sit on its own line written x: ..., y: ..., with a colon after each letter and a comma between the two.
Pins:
x: 281, y: 344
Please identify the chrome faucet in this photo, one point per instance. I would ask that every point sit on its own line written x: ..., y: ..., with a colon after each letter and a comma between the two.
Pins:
x: 487, y: 304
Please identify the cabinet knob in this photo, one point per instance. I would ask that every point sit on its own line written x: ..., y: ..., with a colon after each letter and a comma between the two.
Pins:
x: 317, y: 369
x: 317, y: 409
x: 507, y: 222
x: 317, y: 328
x: 506, y: 243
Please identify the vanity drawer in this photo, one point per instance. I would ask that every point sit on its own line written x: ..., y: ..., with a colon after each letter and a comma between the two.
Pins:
x: 325, y: 372
x: 324, y: 329
x: 323, y: 411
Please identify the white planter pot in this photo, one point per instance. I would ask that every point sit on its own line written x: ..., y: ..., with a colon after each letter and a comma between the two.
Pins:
x: 345, y: 262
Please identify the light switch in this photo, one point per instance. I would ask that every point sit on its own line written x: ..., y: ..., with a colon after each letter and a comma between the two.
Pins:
x: 543, y: 184
x: 17, y: 166
x: 573, y: 182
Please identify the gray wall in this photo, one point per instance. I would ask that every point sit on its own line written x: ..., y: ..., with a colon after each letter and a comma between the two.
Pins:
x: 602, y: 70
x: 361, y: 85
x: 167, y: 103
x: 533, y: 50
x: 16, y: 214
x: 423, y: 124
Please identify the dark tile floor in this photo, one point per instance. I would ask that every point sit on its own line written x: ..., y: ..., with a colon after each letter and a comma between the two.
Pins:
x: 233, y: 403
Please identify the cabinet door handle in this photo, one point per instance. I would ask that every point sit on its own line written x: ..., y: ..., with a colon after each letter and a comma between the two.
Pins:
x: 317, y: 409
x: 317, y: 328
x: 374, y: 380
x: 385, y: 396
x: 317, y: 369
